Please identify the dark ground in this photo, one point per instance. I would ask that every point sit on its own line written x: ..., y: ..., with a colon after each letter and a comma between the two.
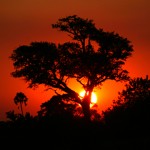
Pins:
x: 73, y: 137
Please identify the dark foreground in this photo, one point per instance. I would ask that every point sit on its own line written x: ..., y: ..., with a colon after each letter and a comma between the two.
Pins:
x: 77, y: 136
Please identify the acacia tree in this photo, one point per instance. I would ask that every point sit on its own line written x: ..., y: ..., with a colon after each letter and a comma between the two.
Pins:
x: 91, y: 57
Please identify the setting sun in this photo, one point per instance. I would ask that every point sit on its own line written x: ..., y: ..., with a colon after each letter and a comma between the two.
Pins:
x: 93, y: 97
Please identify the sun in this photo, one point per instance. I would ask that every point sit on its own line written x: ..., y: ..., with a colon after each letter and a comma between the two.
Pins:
x: 93, y: 97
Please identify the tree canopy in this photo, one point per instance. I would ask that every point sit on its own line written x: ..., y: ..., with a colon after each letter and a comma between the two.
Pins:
x: 91, y: 57
x: 21, y: 99
x: 131, y: 110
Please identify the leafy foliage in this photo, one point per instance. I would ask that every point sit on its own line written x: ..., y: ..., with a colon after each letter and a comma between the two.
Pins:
x: 59, y: 106
x: 21, y: 99
x: 92, y: 57
x: 131, y: 110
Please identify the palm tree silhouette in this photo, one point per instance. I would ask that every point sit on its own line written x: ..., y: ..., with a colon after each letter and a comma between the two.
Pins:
x: 22, y: 99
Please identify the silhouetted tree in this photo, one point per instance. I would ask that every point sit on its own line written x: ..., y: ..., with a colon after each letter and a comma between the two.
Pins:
x: 21, y: 99
x: 90, y: 58
x: 59, y: 106
x: 131, y: 110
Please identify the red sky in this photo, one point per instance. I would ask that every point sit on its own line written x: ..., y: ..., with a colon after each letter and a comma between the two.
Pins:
x: 25, y: 21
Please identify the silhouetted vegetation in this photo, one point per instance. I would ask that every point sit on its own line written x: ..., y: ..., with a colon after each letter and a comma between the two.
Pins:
x: 91, y: 57
x: 66, y: 121
x: 130, y: 113
x: 21, y: 99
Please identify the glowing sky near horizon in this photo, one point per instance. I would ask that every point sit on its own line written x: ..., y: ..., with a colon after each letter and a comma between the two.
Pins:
x: 24, y: 21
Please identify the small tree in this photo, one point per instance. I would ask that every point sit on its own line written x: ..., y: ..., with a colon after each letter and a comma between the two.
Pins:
x: 91, y: 57
x: 21, y: 99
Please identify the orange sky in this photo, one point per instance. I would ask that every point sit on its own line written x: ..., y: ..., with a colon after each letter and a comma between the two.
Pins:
x: 25, y: 21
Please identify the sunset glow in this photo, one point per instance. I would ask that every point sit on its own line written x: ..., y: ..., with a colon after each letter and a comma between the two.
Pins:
x: 28, y: 21
x: 93, y: 97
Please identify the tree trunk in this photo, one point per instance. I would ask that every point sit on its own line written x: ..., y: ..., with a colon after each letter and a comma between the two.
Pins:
x: 21, y: 108
x: 86, y: 107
